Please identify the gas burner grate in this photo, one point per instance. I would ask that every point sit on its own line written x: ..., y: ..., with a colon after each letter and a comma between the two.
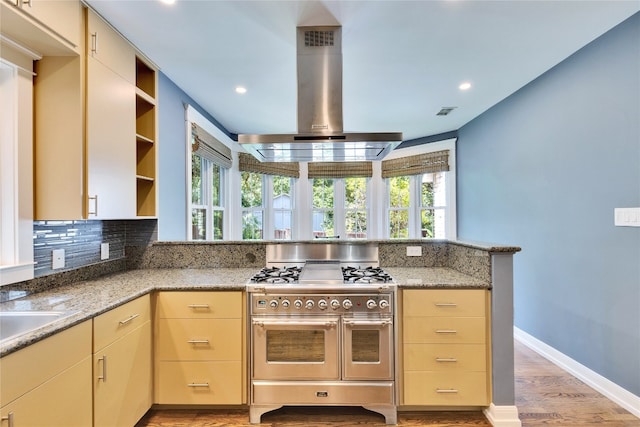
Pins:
x: 277, y: 275
x: 365, y: 275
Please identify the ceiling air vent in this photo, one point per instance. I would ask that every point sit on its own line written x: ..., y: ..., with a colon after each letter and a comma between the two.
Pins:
x: 314, y: 38
x: 445, y: 111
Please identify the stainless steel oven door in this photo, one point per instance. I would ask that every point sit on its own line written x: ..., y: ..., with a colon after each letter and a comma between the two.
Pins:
x: 368, y: 348
x: 295, y: 348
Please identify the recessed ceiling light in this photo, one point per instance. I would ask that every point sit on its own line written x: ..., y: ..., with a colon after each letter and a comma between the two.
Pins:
x: 241, y: 90
x: 168, y: 1
x: 464, y: 86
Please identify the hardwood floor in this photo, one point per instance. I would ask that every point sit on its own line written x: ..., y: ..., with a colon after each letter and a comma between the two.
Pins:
x: 545, y: 396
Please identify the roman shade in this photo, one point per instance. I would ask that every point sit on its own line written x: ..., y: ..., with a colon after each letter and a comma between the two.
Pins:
x: 248, y: 163
x: 208, y: 147
x: 438, y: 161
x: 340, y: 170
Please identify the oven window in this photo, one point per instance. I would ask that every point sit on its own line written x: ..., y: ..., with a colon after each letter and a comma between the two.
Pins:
x: 365, y: 345
x: 295, y: 346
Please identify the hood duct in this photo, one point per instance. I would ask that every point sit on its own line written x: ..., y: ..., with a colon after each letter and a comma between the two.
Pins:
x: 320, y: 134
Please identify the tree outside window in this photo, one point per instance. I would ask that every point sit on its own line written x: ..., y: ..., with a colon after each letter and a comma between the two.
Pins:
x: 252, y: 196
x: 323, y: 204
x: 355, y: 204
x: 399, y: 198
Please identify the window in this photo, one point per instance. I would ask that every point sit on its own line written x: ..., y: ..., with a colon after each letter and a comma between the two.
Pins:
x: 207, y: 210
x: 282, y: 207
x: 210, y: 160
x: 323, y: 198
x: 419, y: 196
x: 355, y: 206
x: 252, y: 185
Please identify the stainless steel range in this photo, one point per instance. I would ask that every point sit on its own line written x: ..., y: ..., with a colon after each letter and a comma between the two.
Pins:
x: 323, y: 330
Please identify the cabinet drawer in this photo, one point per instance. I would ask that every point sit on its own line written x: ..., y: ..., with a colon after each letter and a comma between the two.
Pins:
x: 445, y: 357
x: 202, y: 383
x: 27, y: 368
x: 446, y: 388
x: 199, y: 339
x: 200, y: 305
x: 116, y: 323
x: 444, y: 302
x: 444, y: 330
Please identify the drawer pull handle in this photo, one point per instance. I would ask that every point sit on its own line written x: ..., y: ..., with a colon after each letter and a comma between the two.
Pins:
x: 198, y: 341
x: 446, y: 331
x: 198, y: 305
x: 198, y: 385
x: 103, y: 377
x: 446, y: 304
x: 129, y: 319
x: 95, y: 205
x: 446, y: 390
x: 446, y: 359
x: 8, y: 418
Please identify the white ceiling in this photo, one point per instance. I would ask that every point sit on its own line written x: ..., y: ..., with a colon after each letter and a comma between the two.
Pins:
x: 402, y: 60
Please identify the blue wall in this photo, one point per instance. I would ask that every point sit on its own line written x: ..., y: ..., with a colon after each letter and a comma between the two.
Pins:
x: 544, y: 169
x: 172, y: 218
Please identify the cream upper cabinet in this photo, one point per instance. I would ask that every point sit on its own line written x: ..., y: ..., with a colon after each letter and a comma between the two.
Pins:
x: 111, y: 144
x: 122, y: 368
x: 107, y: 46
x: 95, y: 130
x: 47, y: 26
x: 35, y: 382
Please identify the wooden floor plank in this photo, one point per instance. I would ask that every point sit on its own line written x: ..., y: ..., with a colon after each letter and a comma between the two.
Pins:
x: 545, y: 396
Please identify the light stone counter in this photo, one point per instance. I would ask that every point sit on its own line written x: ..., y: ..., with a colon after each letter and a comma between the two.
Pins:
x: 86, y: 299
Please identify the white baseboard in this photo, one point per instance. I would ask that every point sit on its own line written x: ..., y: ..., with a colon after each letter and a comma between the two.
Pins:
x: 612, y: 391
x: 503, y: 416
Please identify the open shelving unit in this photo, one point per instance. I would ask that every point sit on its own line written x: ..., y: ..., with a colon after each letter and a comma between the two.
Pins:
x: 146, y: 131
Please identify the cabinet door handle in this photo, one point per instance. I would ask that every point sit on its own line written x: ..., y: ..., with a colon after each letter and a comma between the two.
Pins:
x: 446, y: 304
x: 446, y: 331
x: 198, y: 385
x: 129, y: 319
x: 198, y: 306
x: 8, y: 418
x: 103, y: 377
x: 95, y: 205
x: 198, y: 341
x: 446, y: 390
x: 94, y: 43
x: 446, y: 359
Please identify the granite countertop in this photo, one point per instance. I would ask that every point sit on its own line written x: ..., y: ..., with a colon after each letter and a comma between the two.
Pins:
x: 86, y: 299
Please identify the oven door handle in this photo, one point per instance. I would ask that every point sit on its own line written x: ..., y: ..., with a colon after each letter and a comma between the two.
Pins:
x: 289, y: 322
x: 383, y: 322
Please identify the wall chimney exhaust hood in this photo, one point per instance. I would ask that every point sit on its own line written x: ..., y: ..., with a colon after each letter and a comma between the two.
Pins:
x: 320, y: 134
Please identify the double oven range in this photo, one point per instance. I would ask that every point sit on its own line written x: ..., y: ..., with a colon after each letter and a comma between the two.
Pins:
x: 322, y: 329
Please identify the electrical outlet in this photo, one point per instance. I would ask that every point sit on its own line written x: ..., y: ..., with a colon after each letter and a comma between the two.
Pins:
x: 104, y: 251
x: 57, y: 259
x: 627, y: 217
x: 414, y: 250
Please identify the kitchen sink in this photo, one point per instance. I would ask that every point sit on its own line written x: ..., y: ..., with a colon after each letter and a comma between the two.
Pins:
x: 16, y: 323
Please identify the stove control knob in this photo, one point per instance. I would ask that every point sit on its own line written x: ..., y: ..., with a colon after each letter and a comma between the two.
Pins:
x: 309, y: 305
x: 285, y: 303
x: 347, y: 304
x: 322, y: 304
x: 384, y: 304
x: 371, y: 304
x: 273, y: 304
x: 335, y: 304
x: 297, y: 304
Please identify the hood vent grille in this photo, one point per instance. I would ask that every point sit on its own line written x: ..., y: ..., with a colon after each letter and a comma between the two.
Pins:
x: 318, y: 38
x: 320, y: 134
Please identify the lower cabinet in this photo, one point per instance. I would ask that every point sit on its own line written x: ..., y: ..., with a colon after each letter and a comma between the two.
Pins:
x: 199, y: 348
x: 122, y: 364
x: 49, y: 382
x: 445, y: 345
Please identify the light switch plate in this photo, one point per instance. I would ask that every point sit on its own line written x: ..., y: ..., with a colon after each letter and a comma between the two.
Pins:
x: 104, y: 251
x: 414, y: 250
x: 57, y: 259
x: 627, y: 217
